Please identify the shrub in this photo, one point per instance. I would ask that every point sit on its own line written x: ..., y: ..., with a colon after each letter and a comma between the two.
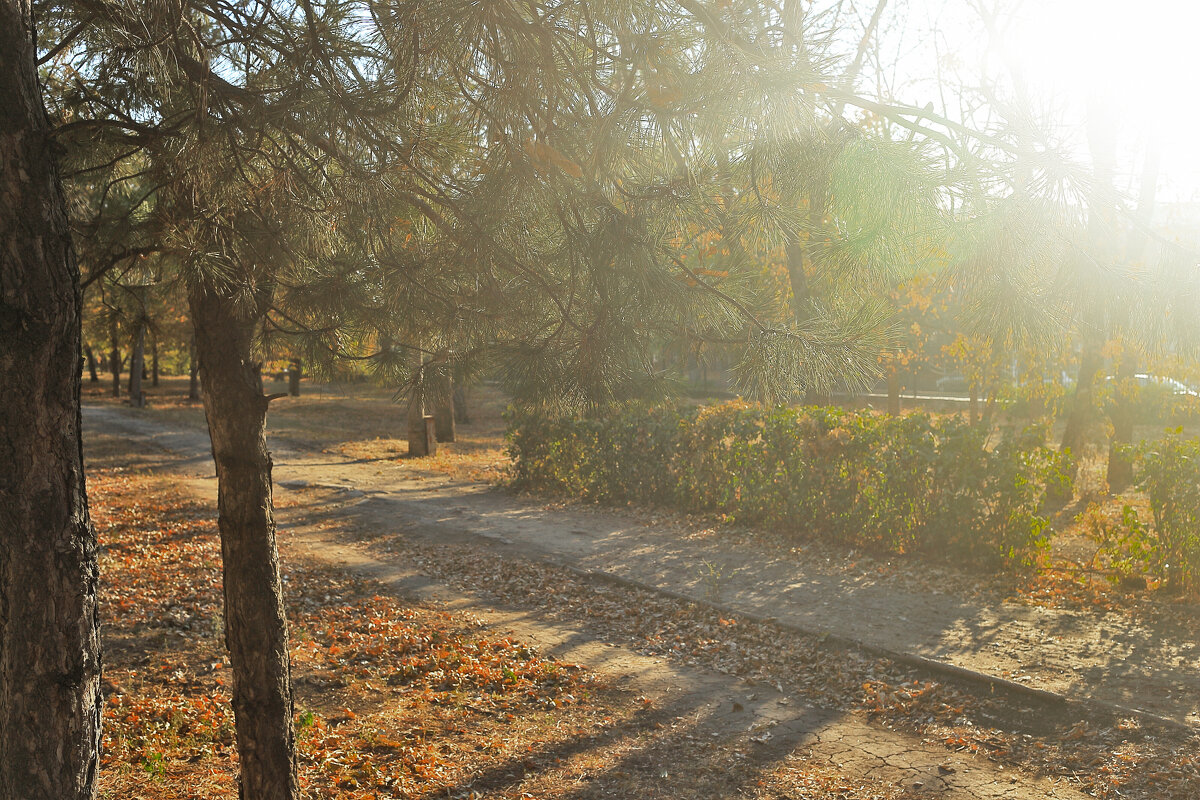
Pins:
x: 893, y: 484
x: 1168, y: 470
x: 1167, y: 547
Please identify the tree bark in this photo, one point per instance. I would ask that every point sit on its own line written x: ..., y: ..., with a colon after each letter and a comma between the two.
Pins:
x: 443, y: 411
x: 1120, y: 464
x: 137, y: 367
x: 893, y: 389
x: 93, y: 376
x: 255, y: 624
x: 798, y: 257
x: 462, y: 415
x: 154, y: 362
x: 989, y: 409
x: 295, y: 371
x: 1102, y: 207
x: 114, y: 356
x: 1080, y: 415
x: 422, y: 440
x: 49, y: 635
x: 193, y: 371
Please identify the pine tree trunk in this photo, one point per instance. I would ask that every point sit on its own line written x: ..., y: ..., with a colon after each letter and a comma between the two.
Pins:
x: 114, y: 357
x: 1080, y: 414
x: 154, y: 362
x: 137, y: 367
x: 295, y: 370
x: 1120, y: 464
x: 443, y: 412
x: 49, y: 636
x: 255, y: 623
x: 462, y: 415
x: 193, y: 371
x: 989, y: 410
x: 893, y: 388
x: 93, y: 376
x: 422, y: 440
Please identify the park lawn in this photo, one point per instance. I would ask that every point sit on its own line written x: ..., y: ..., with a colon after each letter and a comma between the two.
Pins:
x: 358, y: 420
x: 391, y: 698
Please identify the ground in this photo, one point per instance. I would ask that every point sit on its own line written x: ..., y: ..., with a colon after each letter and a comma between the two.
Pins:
x: 436, y: 622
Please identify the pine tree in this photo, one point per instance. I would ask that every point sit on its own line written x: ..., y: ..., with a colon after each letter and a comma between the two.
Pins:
x: 49, y: 636
x: 431, y: 186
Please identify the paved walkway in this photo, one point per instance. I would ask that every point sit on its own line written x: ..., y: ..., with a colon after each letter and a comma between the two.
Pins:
x: 1151, y: 665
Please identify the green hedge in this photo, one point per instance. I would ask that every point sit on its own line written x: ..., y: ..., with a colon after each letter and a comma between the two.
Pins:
x: 895, y: 484
x: 1168, y: 546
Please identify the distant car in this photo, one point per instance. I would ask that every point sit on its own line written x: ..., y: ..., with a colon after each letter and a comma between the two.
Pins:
x: 1173, y: 385
x: 1176, y: 386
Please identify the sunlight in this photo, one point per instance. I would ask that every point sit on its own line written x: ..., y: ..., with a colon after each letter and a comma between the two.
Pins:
x: 1140, y: 61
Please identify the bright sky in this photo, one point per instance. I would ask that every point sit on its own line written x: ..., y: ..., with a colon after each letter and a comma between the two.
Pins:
x: 1142, y: 58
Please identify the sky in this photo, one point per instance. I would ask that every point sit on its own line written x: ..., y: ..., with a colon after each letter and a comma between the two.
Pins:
x: 1140, y: 60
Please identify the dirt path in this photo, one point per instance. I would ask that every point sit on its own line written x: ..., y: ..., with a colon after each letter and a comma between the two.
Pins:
x: 1102, y: 656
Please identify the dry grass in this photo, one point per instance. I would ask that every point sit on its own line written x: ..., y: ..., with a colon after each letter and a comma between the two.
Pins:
x: 393, y: 699
x: 358, y: 420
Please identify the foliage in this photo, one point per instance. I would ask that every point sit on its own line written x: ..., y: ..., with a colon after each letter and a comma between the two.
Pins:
x: 897, y: 484
x: 1168, y: 548
x: 1125, y: 545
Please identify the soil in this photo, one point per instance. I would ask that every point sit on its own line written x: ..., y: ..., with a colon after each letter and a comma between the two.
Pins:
x: 1147, y: 661
x: 728, y: 732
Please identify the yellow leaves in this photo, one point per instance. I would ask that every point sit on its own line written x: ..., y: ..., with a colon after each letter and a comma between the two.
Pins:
x: 543, y: 157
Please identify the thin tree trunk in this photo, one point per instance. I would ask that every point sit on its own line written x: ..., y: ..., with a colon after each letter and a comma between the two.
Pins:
x: 295, y: 371
x: 443, y: 411
x: 114, y: 357
x: 893, y: 389
x: 154, y: 362
x: 1120, y: 463
x: 49, y: 636
x: 1079, y: 417
x: 193, y: 371
x: 255, y: 623
x: 93, y: 375
x: 798, y: 257
x: 462, y: 414
x: 989, y: 410
x: 422, y: 440
x: 1101, y: 226
x: 137, y: 367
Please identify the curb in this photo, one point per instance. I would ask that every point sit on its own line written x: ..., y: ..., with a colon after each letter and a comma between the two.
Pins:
x: 942, y: 669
